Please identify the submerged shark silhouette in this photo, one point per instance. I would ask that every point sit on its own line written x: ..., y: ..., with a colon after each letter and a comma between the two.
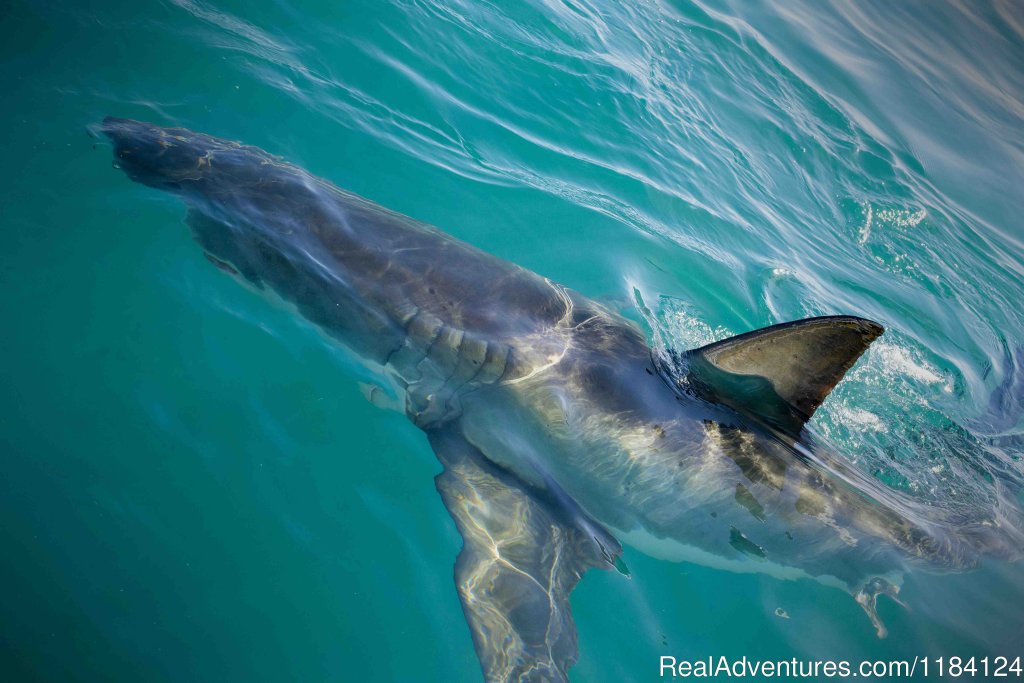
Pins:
x: 561, y: 434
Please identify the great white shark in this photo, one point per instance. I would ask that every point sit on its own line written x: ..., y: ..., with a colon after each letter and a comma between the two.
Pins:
x: 560, y: 432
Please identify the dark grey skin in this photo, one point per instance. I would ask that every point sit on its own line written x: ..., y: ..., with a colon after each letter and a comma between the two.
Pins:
x: 559, y: 432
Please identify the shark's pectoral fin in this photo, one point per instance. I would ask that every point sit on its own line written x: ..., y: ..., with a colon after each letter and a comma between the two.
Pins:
x: 221, y: 246
x: 782, y: 373
x: 521, y: 558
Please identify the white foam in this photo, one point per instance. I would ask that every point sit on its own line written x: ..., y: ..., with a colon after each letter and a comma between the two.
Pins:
x: 899, y: 359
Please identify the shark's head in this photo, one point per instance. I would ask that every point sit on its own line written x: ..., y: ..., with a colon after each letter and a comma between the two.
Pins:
x: 246, y: 208
x: 164, y: 158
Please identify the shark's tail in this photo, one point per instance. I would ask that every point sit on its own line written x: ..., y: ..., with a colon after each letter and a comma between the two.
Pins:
x: 1000, y: 433
x: 1001, y: 537
x: 1003, y: 422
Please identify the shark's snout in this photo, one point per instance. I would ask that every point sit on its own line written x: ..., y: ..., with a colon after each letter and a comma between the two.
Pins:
x: 153, y: 155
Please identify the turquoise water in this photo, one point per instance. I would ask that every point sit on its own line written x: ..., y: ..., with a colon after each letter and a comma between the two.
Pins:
x: 195, y: 487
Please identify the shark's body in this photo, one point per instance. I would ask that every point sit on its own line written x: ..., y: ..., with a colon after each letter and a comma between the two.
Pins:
x: 559, y: 433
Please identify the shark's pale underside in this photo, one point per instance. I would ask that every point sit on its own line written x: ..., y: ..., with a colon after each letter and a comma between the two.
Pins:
x: 561, y: 435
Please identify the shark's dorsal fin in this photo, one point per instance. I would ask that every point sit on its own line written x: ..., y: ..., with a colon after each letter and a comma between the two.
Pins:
x: 522, y: 555
x: 782, y: 373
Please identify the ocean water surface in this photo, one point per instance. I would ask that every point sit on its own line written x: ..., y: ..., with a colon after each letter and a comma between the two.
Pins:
x: 195, y: 486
